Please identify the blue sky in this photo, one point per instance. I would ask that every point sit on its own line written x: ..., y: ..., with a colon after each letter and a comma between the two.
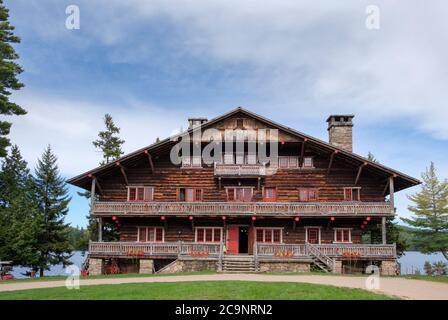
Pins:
x: 152, y: 64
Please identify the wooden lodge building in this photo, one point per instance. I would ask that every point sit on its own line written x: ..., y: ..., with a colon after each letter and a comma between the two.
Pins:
x: 314, y: 208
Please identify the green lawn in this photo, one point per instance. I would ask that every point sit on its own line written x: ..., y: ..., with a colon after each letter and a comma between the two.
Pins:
x: 218, y: 290
x: 127, y: 275
x: 427, y: 278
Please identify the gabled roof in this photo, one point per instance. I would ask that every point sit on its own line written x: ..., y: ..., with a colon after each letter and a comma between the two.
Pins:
x: 404, y: 181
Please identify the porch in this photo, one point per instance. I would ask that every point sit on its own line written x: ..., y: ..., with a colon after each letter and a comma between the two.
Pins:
x: 281, y: 252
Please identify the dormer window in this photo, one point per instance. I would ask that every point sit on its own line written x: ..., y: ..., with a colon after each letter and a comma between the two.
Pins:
x: 192, y: 162
x: 140, y: 194
x: 352, y: 194
x: 308, y: 162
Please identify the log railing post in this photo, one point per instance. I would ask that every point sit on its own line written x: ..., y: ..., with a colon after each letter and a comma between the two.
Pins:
x: 100, y: 229
x: 383, y: 230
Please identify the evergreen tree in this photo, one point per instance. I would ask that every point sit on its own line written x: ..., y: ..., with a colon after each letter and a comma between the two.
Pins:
x: 430, y: 221
x: 53, y: 200
x: 9, y: 70
x: 19, y: 226
x: 372, y: 158
x: 108, y: 141
x: 428, y: 268
x: 110, y: 144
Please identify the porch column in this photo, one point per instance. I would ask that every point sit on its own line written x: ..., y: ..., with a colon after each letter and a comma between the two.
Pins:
x: 391, y: 192
x: 92, y: 194
x: 383, y: 229
x: 100, y: 229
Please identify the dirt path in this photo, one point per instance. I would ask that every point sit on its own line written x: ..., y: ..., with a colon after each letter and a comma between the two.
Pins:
x: 403, y: 288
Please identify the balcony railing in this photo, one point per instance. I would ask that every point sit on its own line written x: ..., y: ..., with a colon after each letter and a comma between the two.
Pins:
x: 240, y: 170
x: 212, y: 250
x: 330, y: 250
x: 242, y: 208
x: 137, y: 249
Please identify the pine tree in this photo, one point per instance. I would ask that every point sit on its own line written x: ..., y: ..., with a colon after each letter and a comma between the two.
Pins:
x: 108, y: 141
x: 9, y: 70
x: 110, y: 144
x: 430, y: 221
x: 19, y: 226
x: 372, y: 158
x: 53, y: 200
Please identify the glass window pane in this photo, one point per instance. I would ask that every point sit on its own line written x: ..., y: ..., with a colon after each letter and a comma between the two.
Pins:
x: 200, y: 234
x: 276, y: 235
x: 208, y: 235
x: 142, y: 234
x: 260, y: 235
x: 132, y: 194
x: 217, y: 235
x: 268, y: 235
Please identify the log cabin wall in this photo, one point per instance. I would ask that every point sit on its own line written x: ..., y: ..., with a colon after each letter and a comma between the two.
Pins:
x: 180, y: 229
x: 168, y: 178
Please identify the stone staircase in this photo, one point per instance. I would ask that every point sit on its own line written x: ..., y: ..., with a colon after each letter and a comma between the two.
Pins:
x: 238, y: 264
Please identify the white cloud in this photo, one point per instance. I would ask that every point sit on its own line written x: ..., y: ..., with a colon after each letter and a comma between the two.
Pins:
x: 71, y: 126
x: 312, y: 54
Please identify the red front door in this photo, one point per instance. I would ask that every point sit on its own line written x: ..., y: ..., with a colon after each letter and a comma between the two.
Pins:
x: 233, y: 233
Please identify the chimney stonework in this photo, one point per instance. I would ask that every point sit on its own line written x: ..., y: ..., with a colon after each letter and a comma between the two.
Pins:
x: 340, y: 131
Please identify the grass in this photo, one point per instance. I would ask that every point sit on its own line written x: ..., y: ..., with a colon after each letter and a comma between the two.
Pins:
x: 443, y: 279
x: 110, y: 276
x: 217, y: 290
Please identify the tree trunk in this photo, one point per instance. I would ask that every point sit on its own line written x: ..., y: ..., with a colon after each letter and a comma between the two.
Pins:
x: 41, y: 272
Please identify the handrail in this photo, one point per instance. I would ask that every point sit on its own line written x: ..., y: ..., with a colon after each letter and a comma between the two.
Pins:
x: 314, y: 251
x: 245, y: 208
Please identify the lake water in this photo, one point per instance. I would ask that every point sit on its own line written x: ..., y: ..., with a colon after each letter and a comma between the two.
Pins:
x: 410, y: 262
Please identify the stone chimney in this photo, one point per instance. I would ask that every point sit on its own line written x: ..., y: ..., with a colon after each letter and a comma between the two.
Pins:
x: 194, y: 122
x: 340, y: 131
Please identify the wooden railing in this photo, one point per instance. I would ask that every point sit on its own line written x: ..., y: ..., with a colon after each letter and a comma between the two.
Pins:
x: 240, y: 170
x: 329, y: 250
x: 244, y: 208
x: 135, y: 249
x: 261, y: 250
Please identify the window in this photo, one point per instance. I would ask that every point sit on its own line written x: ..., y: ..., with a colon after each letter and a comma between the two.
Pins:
x: 308, y: 162
x: 239, y: 158
x: 190, y: 195
x: 208, y: 234
x: 313, y: 235
x: 288, y: 162
x: 228, y: 158
x: 270, y: 195
x: 140, y: 194
x: 307, y: 195
x: 269, y: 235
x: 239, y: 194
x: 192, y: 162
x: 352, y: 194
x: 251, y: 158
x: 150, y: 234
x: 342, y: 235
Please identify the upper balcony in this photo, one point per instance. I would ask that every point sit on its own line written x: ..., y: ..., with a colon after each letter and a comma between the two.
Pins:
x: 243, y: 170
x: 311, y: 209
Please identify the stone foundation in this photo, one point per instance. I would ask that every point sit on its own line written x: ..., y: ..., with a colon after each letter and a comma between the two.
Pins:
x: 389, y: 268
x: 189, y: 266
x: 284, y: 266
x: 95, y: 266
x: 146, y: 266
x: 337, y: 267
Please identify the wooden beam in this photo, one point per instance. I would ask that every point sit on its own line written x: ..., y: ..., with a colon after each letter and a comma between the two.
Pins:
x: 92, y: 193
x: 294, y: 224
x: 361, y: 167
x: 331, y: 161
x: 302, y: 152
x: 392, y: 191
x: 386, y: 187
x: 100, y: 229
x: 383, y: 230
x: 151, y: 164
x: 123, y: 172
x: 259, y: 183
x: 219, y: 183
